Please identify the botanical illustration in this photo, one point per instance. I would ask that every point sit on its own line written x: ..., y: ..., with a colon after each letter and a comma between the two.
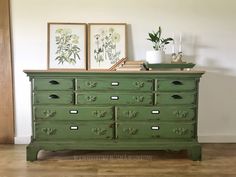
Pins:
x: 67, y: 50
x: 106, y: 46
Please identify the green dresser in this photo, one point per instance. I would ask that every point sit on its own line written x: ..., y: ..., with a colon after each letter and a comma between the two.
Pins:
x: 147, y: 110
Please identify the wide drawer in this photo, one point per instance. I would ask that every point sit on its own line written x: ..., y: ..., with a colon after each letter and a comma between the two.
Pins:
x: 53, y: 84
x: 147, y: 130
x: 162, y: 113
x: 73, y: 113
x: 176, y: 98
x: 73, y: 130
x: 115, y: 98
x: 53, y: 97
x: 176, y: 84
x: 115, y: 84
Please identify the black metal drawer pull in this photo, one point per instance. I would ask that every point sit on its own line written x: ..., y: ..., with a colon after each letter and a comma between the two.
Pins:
x: 177, y: 83
x: 73, y: 111
x: 114, y: 98
x: 177, y: 97
x: 74, y: 128
x: 115, y: 84
x: 155, y: 128
x: 53, y: 96
x: 53, y: 82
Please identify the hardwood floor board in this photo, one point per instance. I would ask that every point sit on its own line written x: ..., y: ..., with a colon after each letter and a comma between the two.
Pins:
x: 219, y: 160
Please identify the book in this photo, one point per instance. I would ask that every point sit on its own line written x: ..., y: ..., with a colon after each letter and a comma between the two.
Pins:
x: 131, y: 66
x: 129, y: 69
x: 117, y: 64
x: 134, y: 62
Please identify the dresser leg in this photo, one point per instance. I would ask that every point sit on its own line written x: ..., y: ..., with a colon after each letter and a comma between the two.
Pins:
x: 31, y: 153
x: 195, y: 153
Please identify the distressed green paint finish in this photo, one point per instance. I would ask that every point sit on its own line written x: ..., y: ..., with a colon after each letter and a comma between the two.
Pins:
x: 146, y: 130
x: 115, y: 98
x: 176, y: 98
x: 73, y: 130
x: 176, y: 84
x: 114, y: 111
x: 163, y: 113
x: 115, y: 84
x: 53, y: 84
x: 192, y: 146
x: 73, y: 113
x: 53, y: 97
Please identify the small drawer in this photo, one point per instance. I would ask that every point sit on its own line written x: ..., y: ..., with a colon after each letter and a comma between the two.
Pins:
x: 73, y: 130
x: 175, y: 98
x: 115, y: 84
x: 73, y: 113
x: 162, y: 113
x: 53, y: 84
x: 176, y: 85
x: 53, y: 97
x: 115, y: 98
x: 150, y: 130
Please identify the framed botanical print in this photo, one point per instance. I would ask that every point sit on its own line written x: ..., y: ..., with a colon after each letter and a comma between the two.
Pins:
x: 106, y: 45
x: 67, y: 46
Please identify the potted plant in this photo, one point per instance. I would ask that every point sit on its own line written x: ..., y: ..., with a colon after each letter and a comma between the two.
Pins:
x: 157, y: 55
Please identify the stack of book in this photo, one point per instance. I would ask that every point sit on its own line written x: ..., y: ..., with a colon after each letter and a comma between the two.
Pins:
x: 131, y: 66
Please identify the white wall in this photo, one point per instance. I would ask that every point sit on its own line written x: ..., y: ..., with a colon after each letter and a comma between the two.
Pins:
x: 209, y: 32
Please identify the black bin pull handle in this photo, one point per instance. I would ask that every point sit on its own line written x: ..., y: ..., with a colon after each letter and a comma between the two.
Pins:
x: 53, y: 96
x: 177, y: 97
x: 53, y: 82
x: 177, y: 83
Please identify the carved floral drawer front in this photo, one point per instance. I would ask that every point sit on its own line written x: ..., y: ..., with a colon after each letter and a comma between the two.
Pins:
x: 176, y: 85
x: 53, y: 97
x: 146, y: 130
x: 73, y: 113
x: 53, y: 84
x: 163, y: 113
x: 174, y: 98
x: 115, y: 84
x: 115, y: 98
x: 73, y: 130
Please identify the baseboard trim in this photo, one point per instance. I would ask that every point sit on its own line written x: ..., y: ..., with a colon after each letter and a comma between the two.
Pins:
x: 201, y: 139
x: 22, y: 140
x: 217, y: 138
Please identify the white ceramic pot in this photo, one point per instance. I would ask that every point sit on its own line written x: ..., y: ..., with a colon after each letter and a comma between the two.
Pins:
x: 155, y: 56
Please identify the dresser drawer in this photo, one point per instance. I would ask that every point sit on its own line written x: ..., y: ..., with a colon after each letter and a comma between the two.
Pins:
x: 147, y: 130
x: 73, y: 113
x: 73, y: 130
x: 162, y: 113
x: 115, y: 98
x: 115, y: 84
x: 53, y: 84
x: 176, y: 98
x: 176, y: 84
x: 53, y: 97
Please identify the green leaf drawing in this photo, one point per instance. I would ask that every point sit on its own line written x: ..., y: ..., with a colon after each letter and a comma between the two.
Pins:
x: 67, y: 46
x: 106, y: 46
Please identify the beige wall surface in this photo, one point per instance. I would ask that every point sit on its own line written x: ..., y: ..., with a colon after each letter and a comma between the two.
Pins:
x: 209, y: 39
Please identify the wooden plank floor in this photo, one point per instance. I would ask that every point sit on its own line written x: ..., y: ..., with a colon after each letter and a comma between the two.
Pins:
x: 219, y: 160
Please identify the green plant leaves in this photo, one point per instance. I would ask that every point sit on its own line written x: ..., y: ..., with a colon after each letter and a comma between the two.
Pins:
x: 158, y: 41
x: 159, y: 32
